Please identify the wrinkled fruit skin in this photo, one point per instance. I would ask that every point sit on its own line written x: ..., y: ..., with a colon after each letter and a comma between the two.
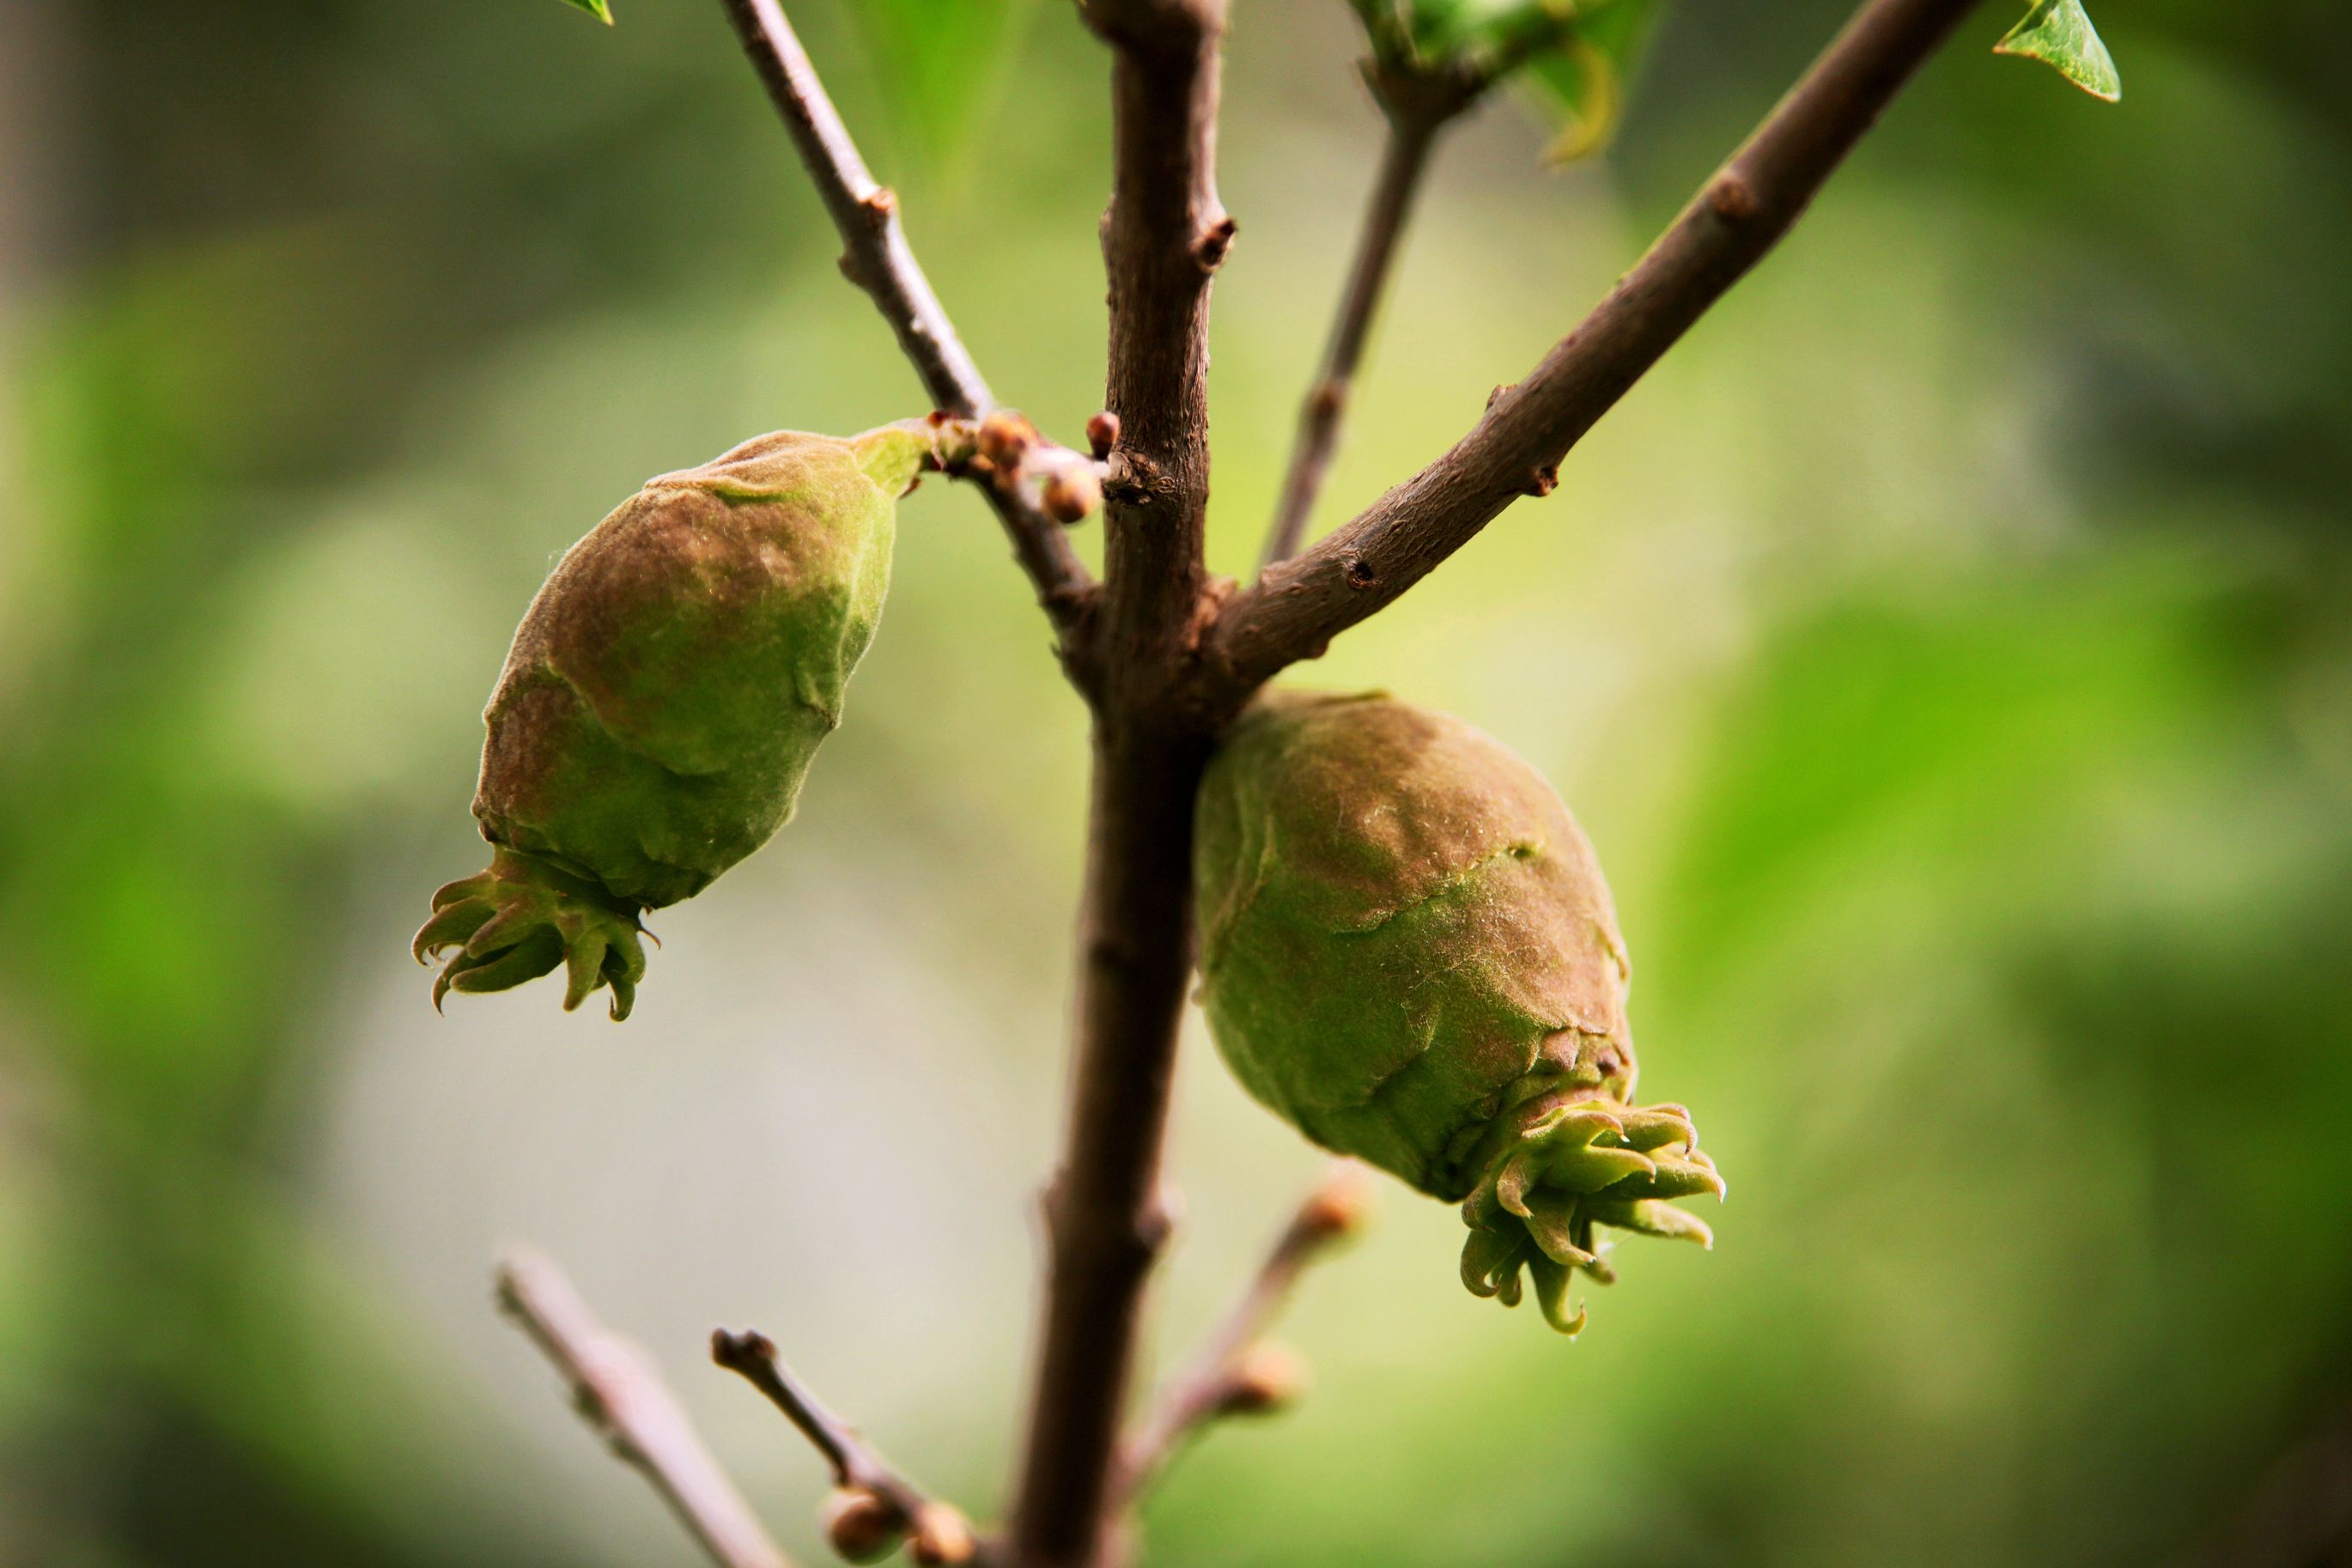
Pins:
x: 1408, y: 951
x: 663, y: 700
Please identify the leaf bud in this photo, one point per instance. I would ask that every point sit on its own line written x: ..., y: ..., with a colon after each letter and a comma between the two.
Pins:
x: 1266, y: 1379
x: 1006, y: 438
x: 943, y: 1535
x: 1339, y: 1206
x: 1073, y: 491
x: 860, y: 1526
x: 1102, y: 434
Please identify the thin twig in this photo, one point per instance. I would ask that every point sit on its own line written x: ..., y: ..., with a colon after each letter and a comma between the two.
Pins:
x: 1402, y: 161
x: 1515, y: 448
x: 876, y: 257
x: 1228, y: 1375
x: 1418, y: 103
x: 941, y: 1533
x: 619, y: 1393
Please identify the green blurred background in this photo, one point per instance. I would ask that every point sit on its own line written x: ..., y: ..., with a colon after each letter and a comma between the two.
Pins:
x: 1947, y: 649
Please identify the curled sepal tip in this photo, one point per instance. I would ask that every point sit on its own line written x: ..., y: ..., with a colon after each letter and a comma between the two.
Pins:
x: 1573, y: 1168
x: 522, y: 919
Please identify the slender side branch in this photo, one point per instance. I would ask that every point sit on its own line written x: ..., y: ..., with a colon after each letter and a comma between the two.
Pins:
x: 876, y: 257
x: 1402, y: 162
x: 620, y: 1395
x: 941, y: 1533
x: 1234, y: 1372
x: 1418, y: 103
x: 1515, y: 449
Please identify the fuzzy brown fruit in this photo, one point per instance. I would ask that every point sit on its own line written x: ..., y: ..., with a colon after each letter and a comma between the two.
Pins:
x: 1409, y: 952
x: 661, y: 704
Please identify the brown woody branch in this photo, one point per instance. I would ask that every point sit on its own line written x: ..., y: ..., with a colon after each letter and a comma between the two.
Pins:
x: 1234, y: 1372
x: 1515, y: 448
x: 876, y: 257
x: 940, y: 1533
x: 1163, y: 239
x: 1418, y: 102
x: 620, y: 1395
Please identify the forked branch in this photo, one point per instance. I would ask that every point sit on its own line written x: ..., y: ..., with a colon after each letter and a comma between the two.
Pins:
x: 876, y: 257
x: 620, y: 1395
x: 1515, y: 448
x: 940, y: 1534
x: 1235, y: 1372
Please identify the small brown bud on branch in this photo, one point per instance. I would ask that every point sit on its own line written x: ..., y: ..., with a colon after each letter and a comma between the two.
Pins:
x: 1340, y: 1205
x: 861, y: 1527
x: 1072, y: 492
x: 943, y: 1535
x: 1102, y: 434
x: 1268, y: 1378
x: 1004, y: 437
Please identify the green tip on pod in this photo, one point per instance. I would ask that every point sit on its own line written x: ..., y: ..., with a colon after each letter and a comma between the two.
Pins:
x: 522, y: 917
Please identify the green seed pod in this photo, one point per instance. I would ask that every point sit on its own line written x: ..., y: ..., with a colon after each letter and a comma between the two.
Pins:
x: 662, y: 701
x: 1408, y: 952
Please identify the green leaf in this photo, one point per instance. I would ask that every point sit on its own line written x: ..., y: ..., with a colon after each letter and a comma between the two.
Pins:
x: 1580, y: 86
x: 1571, y: 57
x: 596, y: 8
x: 2059, y: 34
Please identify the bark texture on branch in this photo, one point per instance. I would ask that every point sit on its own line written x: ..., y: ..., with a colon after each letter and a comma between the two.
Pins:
x: 1163, y: 239
x: 1515, y: 448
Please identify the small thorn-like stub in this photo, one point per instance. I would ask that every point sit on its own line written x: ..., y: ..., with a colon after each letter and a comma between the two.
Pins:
x: 1543, y: 480
x: 1213, y: 243
x: 860, y: 1526
x: 943, y: 1535
x: 881, y: 204
x: 1073, y: 492
x: 1102, y: 434
x: 1005, y: 439
x: 1496, y: 395
x: 1267, y: 1378
x: 1731, y: 197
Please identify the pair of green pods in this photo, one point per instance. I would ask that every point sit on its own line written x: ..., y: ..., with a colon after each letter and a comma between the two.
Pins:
x: 1408, y: 949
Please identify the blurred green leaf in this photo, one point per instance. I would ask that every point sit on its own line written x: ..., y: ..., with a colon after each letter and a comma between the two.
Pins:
x: 937, y: 61
x: 2059, y: 34
x: 596, y: 8
x: 1572, y: 58
x: 1580, y: 86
